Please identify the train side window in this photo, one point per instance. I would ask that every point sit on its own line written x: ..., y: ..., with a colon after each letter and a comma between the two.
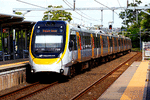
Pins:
x: 115, y: 40
x: 83, y: 42
x: 87, y: 41
x: 105, y: 42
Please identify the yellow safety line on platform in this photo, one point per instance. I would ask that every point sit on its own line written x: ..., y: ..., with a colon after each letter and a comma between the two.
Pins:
x: 14, y: 64
x: 135, y: 88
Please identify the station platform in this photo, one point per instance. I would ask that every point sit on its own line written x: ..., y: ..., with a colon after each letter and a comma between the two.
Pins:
x: 13, y: 63
x: 133, y: 84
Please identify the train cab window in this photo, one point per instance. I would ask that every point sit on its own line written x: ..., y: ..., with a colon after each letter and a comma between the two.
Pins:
x: 72, y: 41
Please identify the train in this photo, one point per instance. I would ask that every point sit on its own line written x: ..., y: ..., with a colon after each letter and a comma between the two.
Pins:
x: 57, y: 46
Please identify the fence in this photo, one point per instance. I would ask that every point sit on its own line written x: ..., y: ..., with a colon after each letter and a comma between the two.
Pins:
x: 146, y: 51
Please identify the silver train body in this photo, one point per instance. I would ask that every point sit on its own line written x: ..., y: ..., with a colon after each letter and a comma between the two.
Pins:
x: 56, y: 46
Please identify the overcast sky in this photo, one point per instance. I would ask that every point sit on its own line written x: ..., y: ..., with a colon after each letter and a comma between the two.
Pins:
x: 6, y: 6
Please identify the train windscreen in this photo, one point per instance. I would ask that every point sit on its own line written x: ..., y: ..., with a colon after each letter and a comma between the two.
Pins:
x: 48, y: 41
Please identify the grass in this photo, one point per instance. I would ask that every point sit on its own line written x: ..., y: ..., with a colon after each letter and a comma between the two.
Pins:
x: 136, y: 49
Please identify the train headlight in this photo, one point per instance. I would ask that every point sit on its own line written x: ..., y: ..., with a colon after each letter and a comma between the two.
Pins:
x: 32, y: 71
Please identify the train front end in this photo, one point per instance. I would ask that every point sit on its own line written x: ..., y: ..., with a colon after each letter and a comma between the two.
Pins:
x: 48, y: 46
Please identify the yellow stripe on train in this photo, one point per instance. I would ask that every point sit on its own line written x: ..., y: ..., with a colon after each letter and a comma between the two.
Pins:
x: 45, y: 61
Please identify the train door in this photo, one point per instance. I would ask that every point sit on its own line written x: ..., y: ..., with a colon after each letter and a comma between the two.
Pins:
x: 95, y: 45
x: 108, y: 44
x: 98, y: 45
x: 117, y: 45
x: 92, y: 43
x: 111, y: 44
x: 73, y: 46
x: 101, y: 39
x: 78, y: 45
x: 123, y: 44
x: 120, y: 44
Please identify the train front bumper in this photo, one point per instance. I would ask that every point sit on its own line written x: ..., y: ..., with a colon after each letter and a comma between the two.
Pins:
x: 46, y: 68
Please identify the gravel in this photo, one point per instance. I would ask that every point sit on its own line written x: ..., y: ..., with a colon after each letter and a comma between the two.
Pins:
x: 68, y: 89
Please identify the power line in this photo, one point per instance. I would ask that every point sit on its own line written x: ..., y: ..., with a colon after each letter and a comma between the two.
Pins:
x: 31, y: 4
x: 106, y: 7
x: 119, y: 3
x: 84, y: 13
x: 76, y: 11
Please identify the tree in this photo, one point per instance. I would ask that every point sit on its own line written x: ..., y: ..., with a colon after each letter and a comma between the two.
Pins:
x: 133, y: 27
x: 57, y: 15
x: 131, y: 14
x: 145, y: 20
x: 18, y: 13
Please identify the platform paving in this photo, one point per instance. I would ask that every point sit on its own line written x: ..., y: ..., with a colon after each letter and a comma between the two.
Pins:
x: 11, y: 64
x: 130, y: 85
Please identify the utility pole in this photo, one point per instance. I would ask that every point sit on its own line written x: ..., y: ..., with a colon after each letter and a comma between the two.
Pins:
x: 101, y: 17
x: 74, y: 5
x: 127, y: 3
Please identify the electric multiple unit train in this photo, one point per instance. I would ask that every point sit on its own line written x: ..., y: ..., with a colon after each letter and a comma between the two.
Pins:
x: 56, y: 46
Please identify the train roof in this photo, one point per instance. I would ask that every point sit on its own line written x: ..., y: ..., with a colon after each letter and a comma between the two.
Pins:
x: 84, y: 29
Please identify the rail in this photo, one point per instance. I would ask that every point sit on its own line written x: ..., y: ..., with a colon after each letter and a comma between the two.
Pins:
x: 99, y: 80
x: 19, y: 91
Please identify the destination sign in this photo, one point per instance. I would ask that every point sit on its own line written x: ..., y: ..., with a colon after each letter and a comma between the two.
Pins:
x: 49, y: 31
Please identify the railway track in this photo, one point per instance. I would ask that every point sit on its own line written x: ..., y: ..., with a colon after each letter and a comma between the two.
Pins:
x: 84, y: 94
x: 26, y: 91
x: 35, y: 88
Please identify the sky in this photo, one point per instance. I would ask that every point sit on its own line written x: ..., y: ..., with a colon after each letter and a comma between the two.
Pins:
x: 6, y: 7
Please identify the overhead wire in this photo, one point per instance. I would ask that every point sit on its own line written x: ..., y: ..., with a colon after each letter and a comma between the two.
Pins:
x: 31, y: 4
x: 79, y: 13
x: 120, y: 5
x: 84, y: 13
x: 106, y: 7
x: 46, y: 8
x: 76, y: 11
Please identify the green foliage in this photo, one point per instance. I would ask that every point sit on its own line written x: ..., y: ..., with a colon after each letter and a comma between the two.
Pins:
x: 136, y: 49
x: 57, y: 15
x: 131, y: 14
x: 146, y: 19
x: 133, y: 28
x: 18, y: 13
